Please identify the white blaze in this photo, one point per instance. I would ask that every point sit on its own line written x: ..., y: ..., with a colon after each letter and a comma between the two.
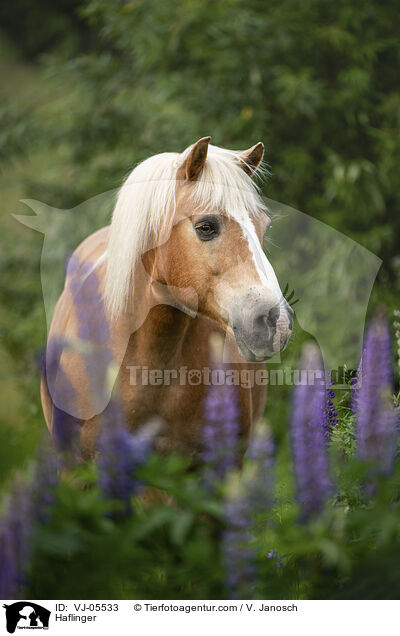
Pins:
x: 263, y: 266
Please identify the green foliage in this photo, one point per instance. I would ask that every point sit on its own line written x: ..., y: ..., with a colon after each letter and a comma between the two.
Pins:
x: 90, y: 88
x: 163, y: 551
x: 317, y: 82
x: 171, y: 546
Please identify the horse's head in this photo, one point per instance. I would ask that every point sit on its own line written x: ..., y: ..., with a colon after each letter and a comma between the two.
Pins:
x: 215, y: 248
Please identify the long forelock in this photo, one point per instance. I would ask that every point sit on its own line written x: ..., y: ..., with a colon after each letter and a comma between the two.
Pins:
x: 147, y: 201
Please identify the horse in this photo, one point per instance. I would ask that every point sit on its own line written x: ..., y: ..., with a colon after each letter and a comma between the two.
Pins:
x: 181, y: 263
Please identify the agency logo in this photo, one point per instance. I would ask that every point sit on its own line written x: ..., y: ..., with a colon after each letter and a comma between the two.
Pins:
x: 26, y: 615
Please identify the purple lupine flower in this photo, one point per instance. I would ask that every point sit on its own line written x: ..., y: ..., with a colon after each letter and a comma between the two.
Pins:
x: 220, y: 431
x: 8, y: 563
x: 261, y: 449
x: 93, y: 333
x: 121, y: 454
x: 93, y: 328
x: 44, y: 483
x: 237, y: 554
x: 65, y: 427
x: 15, y: 535
x: 275, y: 557
x: 240, y: 511
x: 27, y: 506
x: 377, y: 421
x: 20, y: 520
x: 308, y: 445
x: 353, y: 390
x: 396, y: 325
x: 260, y: 480
x: 331, y: 420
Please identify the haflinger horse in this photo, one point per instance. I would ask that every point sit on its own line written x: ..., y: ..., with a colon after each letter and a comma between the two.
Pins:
x: 181, y: 260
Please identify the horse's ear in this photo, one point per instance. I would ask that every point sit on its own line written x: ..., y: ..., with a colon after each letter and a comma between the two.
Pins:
x: 251, y: 159
x: 196, y: 159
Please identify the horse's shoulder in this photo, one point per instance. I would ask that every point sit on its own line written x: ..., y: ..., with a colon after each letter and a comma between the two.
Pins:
x: 93, y: 246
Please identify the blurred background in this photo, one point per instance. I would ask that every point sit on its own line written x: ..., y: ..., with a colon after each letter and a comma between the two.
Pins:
x: 88, y: 89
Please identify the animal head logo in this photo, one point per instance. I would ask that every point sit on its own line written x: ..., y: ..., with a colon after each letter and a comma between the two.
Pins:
x: 26, y: 615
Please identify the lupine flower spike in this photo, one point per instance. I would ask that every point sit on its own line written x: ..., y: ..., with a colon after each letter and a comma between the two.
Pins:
x: 44, y: 483
x: 377, y: 421
x: 93, y: 329
x: 8, y: 563
x: 331, y: 420
x: 65, y: 427
x: 15, y: 534
x: 396, y: 325
x: 308, y: 422
x: 259, y: 480
x: 221, y: 430
x: 238, y: 555
x: 244, y: 501
x: 221, y: 425
x: 121, y: 453
x: 275, y: 558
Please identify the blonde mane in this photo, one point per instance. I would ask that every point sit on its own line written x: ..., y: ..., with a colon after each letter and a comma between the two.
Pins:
x: 146, y: 202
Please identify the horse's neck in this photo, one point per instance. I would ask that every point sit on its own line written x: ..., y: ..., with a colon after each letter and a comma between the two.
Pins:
x: 161, y: 338
x: 154, y: 328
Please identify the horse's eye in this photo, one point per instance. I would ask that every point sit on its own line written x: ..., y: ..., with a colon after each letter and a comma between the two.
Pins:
x: 206, y: 230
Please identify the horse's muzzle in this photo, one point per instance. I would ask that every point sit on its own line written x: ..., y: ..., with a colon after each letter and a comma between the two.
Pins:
x: 262, y: 325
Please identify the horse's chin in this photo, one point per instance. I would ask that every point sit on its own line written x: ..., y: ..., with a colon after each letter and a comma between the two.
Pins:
x: 249, y: 355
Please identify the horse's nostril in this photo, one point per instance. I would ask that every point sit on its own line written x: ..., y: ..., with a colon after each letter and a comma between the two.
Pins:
x: 267, y: 321
x: 273, y: 316
x: 262, y: 321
